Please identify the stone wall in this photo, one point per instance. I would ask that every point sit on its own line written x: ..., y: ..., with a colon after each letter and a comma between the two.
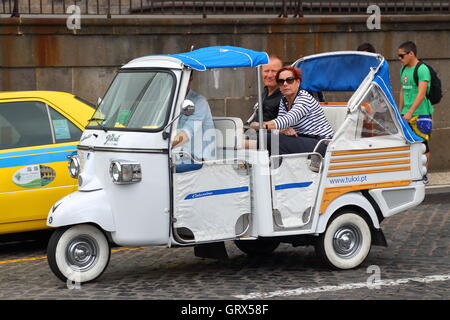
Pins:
x: 43, y: 54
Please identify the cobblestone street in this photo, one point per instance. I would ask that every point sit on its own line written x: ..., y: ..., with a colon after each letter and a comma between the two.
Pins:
x: 414, y: 266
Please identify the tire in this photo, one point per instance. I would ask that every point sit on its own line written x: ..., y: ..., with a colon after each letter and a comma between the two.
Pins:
x: 258, y: 247
x: 79, y: 253
x: 346, y: 242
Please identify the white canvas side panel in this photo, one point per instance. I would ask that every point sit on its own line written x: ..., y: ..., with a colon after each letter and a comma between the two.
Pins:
x: 209, y: 201
x: 294, y: 189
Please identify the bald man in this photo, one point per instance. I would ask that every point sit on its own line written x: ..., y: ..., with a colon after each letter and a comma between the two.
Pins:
x: 272, y: 94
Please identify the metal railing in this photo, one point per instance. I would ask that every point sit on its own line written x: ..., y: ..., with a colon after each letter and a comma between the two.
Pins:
x: 283, y: 8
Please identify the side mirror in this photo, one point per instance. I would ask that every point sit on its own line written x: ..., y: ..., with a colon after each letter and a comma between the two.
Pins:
x: 187, y: 108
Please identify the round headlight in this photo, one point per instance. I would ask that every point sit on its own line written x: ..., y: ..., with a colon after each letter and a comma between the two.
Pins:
x: 125, y: 172
x: 74, y: 167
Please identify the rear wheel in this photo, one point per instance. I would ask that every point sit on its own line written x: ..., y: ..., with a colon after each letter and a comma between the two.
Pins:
x: 79, y: 253
x: 346, y: 242
x: 257, y: 247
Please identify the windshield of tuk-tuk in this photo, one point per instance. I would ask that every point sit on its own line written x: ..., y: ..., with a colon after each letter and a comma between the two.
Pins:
x: 136, y: 100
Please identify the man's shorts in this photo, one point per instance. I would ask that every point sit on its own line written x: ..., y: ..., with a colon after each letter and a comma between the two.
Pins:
x: 422, y: 126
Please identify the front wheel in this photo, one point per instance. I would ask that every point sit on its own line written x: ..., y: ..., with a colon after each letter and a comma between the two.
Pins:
x: 79, y: 253
x: 346, y: 242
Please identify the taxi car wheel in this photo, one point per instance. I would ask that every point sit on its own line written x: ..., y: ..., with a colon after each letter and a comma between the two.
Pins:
x: 346, y: 242
x: 257, y: 247
x: 79, y: 253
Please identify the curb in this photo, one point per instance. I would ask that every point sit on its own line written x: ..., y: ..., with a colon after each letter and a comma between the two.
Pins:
x: 436, y: 189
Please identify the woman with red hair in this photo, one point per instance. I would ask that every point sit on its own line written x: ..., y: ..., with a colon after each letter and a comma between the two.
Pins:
x: 301, y: 120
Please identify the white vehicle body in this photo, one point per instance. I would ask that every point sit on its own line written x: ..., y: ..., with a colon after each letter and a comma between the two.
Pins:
x: 244, y: 194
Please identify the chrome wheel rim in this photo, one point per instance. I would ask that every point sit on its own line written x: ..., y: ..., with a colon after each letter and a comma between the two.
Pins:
x: 82, y: 253
x: 347, y: 241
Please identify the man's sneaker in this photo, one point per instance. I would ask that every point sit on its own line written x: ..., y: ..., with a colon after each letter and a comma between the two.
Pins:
x: 425, y: 179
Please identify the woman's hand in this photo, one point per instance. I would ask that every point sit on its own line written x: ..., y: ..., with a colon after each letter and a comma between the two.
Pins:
x: 269, y: 125
x: 289, y: 132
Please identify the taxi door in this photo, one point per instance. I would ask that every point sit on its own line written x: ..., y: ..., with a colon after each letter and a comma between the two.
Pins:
x: 35, y: 141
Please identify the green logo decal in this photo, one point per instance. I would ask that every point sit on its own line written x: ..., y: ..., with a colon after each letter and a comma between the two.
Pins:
x: 34, y: 176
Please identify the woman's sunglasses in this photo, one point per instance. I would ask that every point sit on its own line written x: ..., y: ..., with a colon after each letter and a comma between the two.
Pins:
x: 289, y: 80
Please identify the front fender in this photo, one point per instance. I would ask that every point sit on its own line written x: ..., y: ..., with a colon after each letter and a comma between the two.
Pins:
x: 82, y: 207
x: 355, y: 199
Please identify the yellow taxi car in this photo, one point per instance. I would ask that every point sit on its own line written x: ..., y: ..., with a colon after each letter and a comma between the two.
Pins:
x: 38, y: 131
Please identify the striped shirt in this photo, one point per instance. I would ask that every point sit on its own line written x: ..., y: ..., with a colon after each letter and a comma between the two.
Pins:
x: 306, y: 116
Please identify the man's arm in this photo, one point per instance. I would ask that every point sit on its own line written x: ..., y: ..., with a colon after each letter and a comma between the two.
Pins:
x: 180, y: 139
x: 423, y: 85
x: 192, y: 125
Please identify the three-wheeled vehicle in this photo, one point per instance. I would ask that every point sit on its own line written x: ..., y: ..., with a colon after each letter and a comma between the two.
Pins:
x: 131, y: 191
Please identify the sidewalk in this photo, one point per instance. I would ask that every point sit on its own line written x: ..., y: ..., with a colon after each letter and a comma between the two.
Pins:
x: 439, y: 182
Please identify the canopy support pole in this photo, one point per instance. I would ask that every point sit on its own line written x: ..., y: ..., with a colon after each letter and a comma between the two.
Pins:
x: 261, y: 132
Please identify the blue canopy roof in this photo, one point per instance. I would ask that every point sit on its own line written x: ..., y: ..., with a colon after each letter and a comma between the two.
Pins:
x: 221, y: 57
x: 337, y: 71
x: 345, y: 72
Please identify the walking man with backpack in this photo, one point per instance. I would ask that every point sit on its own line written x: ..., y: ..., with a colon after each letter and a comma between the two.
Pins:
x: 420, y: 89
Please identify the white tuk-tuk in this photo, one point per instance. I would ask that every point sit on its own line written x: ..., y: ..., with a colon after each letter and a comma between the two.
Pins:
x: 131, y: 191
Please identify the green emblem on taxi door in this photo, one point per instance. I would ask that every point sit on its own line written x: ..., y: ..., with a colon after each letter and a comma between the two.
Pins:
x: 34, y: 176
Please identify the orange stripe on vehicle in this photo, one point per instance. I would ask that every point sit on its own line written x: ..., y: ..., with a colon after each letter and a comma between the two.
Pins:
x: 344, y: 153
x: 350, y: 173
x: 331, y: 193
x: 371, y: 164
x: 379, y: 157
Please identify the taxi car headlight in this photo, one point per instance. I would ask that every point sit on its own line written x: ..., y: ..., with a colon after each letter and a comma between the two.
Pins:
x: 124, y: 172
x: 74, y: 166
